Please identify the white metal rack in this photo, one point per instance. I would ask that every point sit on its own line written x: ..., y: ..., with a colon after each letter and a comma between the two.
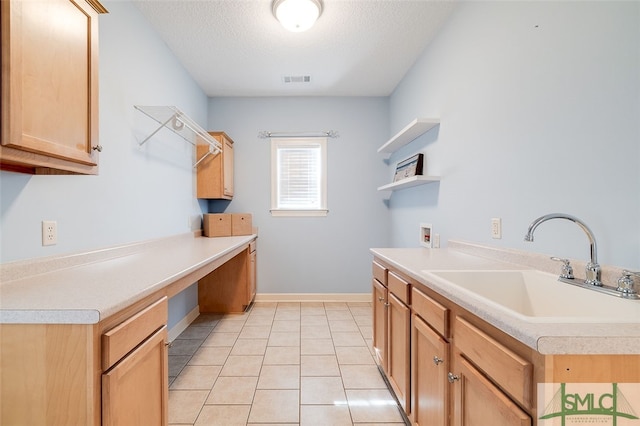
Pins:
x: 179, y: 123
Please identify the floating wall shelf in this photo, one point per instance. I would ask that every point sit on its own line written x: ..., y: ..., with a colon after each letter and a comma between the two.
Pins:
x: 409, y: 182
x: 179, y: 123
x: 417, y: 127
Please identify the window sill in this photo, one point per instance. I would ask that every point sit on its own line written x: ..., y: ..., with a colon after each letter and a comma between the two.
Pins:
x: 299, y: 213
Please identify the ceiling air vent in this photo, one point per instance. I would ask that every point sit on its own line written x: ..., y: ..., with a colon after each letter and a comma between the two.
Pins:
x: 296, y: 79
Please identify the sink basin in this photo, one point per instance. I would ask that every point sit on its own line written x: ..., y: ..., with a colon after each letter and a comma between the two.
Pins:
x: 538, y: 296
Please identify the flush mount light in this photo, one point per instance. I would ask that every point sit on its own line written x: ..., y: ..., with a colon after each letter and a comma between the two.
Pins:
x: 297, y: 15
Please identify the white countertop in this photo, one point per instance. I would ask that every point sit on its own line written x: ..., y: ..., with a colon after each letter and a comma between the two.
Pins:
x: 88, y: 287
x: 546, y: 338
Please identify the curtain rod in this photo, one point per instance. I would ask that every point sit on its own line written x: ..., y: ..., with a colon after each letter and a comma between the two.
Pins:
x: 315, y: 134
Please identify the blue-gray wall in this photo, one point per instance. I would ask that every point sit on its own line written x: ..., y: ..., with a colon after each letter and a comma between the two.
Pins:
x: 140, y: 193
x: 540, y: 112
x: 311, y: 254
x: 539, y: 104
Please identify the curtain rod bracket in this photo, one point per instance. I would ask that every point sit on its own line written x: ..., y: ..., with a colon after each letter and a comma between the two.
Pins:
x: 265, y: 134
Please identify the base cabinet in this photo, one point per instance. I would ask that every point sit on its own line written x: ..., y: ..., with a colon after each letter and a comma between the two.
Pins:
x: 478, y: 402
x: 134, y: 392
x: 111, y: 373
x: 429, y: 367
x: 399, y: 317
x: 464, y: 371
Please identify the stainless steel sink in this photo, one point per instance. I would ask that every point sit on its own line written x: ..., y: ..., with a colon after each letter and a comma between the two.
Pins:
x: 538, y: 296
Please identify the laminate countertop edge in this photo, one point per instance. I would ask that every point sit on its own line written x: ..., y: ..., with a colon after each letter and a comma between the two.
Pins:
x: 86, y: 288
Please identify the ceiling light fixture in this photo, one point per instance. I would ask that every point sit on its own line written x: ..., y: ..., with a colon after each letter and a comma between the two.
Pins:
x: 297, y: 15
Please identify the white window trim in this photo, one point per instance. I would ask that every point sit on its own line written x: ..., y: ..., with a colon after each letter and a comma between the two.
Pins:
x: 279, y: 212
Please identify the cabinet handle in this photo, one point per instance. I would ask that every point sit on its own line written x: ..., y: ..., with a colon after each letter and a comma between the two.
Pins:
x: 437, y: 360
x: 97, y: 148
x: 380, y: 299
x: 168, y: 344
x: 386, y: 305
x: 452, y: 377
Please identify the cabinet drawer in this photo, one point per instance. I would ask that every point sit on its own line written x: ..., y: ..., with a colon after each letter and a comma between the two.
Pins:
x: 380, y: 273
x: 399, y: 287
x: 123, y: 338
x: 436, y: 315
x: 508, y: 370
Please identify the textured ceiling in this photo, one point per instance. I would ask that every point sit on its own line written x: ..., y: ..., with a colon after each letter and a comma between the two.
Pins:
x: 237, y: 48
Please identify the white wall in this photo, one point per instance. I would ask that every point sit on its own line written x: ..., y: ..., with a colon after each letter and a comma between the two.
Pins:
x: 540, y: 112
x: 319, y: 254
x: 140, y: 193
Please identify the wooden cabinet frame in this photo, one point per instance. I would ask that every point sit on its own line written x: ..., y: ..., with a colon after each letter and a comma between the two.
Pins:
x: 49, y: 87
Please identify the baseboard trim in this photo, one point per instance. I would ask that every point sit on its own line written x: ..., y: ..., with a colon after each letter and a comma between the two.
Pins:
x: 183, y: 324
x: 313, y: 297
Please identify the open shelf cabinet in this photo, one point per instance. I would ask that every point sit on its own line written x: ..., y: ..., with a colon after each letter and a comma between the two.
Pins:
x: 417, y: 127
x: 409, y: 182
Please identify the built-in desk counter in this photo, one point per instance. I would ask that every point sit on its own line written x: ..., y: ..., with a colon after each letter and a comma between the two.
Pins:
x: 86, y: 288
x: 81, y: 335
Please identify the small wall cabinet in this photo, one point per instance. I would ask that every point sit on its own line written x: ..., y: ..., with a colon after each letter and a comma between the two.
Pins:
x: 50, y: 86
x: 215, y: 173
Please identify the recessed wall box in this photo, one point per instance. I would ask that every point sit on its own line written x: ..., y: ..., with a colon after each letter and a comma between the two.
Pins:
x: 426, y: 231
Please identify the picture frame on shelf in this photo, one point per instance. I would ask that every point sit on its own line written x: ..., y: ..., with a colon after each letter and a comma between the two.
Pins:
x: 410, y: 167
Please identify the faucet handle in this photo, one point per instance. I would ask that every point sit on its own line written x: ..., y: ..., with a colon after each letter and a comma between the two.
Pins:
x: 626, y: 285
x: 567, y: 269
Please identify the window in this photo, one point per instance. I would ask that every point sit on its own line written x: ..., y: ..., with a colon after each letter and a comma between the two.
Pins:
x: 299, y: 177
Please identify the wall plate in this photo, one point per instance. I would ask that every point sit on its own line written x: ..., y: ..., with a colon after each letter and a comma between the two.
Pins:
x: 426, y: 234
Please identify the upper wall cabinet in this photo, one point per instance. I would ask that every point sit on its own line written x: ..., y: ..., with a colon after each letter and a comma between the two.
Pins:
x: 413, y: 130
x: 215, y: 173
x: 50, y: 86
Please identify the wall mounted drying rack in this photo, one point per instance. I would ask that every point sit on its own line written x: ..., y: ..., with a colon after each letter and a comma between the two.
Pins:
x: 179, y: 123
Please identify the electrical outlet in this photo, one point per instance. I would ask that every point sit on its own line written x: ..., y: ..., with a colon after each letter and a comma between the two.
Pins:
x: 49, y: 232
x: 436, y: 240
x: 496, y: 228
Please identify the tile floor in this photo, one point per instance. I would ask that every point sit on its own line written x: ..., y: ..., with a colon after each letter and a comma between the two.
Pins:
x: 280, y: 364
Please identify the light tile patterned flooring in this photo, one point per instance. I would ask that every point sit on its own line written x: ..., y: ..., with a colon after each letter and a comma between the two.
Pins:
x: 280, y: 364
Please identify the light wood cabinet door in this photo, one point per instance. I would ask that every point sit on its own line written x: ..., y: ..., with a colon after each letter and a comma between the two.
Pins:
x: 50, y: 86
x: 215, y: 173
x: 135, y: 390
x: 429, y: 367
x: 399, y: 317
x: 477, y: 402
x: 251, y: 280
x: 227, y: 168
x: 380, y: 305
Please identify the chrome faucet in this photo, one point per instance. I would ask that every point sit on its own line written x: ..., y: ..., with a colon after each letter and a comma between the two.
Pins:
x: 592, y: 270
